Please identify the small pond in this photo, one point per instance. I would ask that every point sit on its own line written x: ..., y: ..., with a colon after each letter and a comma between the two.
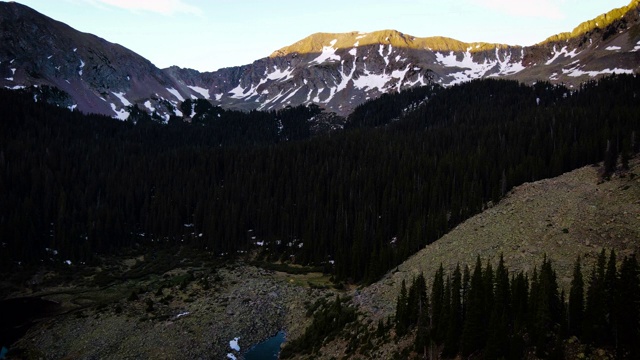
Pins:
x: 18, y: 314
x: 268, y: 349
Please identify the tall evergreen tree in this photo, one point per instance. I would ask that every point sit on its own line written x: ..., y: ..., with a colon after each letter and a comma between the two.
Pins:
x: 595, y: 324
x: 610, y: 287
x: 628, y: 310
x: 546, y: 312
x: 437, y: 305
x: 499, y: 322
x: 454, y: 329
x: 576, y: 301
x: 402, y: 311
x: 474, y: 329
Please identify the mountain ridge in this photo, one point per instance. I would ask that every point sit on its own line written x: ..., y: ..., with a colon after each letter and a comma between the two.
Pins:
x: 314, y: 43
x: 598, y: 22
x: 334, y: 71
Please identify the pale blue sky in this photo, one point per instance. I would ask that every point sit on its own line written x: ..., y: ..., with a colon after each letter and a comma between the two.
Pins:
x: 209, y: 34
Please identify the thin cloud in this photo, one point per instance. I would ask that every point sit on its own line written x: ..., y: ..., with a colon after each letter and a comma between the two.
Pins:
x: 166, y: 7
x: 530, y: 8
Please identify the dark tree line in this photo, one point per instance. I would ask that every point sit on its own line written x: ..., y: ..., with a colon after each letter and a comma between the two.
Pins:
x: 358, y: 201
x: 490, y: 314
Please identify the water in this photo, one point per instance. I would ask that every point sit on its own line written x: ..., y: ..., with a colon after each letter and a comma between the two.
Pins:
x: 18, y: 314
x: 268, y: 349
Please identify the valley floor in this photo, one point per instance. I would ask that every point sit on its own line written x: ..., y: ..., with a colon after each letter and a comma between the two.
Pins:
x: 190, y: 311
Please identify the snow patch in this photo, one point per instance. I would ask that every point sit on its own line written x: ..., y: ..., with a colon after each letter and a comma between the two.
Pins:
x: 564, y: 52
x: 202, y: 91
x: 475, y: 70
x: 120, y: 114
x: 503, y: 62
x: 81, y: 67
x: 385, y: 57
x: 233, y: 344
x: 175, y: 93
x: 237, y: 92
x: 577, y: 72
x: 279, y: 75
x: 613, y: 48
x: 17, y: 87
x: 123, y: 100
x: 507, y: 67
x: 73, y: 107
x: 148, y: 105
x: 371, y: 81
x: 328, y: 53
x: 399, y: 74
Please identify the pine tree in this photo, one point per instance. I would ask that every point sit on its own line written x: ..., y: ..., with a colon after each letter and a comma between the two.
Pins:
x: 474, y: 329
x: 402, y: 311
x: 576, y: 301
x: 610, y: 160
x: 437, y: 305
x: 545, y: 310
x: 423, y: 336
x: 417, y: 301
x: 519, y: 300
x: 628, y: 310
x: 454, y: 328
x: 610, y: 287
x: 595, y: 323
x: 499, y: 323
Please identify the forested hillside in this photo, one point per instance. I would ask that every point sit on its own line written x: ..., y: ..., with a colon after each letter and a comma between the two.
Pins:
x: 488, y: 311
x: 358, y: 201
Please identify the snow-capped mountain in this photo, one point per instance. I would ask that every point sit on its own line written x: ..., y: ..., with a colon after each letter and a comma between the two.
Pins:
x: 335, y: 71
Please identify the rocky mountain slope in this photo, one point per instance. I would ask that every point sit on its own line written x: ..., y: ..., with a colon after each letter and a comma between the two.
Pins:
x: 100, y: 77
x: 335, y: 71
x: 560, y: 218
x: 575, y: 214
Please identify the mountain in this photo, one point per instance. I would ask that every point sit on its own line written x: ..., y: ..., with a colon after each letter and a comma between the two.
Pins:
x: 340, y: 71
x: 335, y: 71
x: 99, y: 76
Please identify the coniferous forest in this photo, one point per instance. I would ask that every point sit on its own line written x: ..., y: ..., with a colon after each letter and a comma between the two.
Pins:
x: 358, y: 201
x: 486, y: 311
